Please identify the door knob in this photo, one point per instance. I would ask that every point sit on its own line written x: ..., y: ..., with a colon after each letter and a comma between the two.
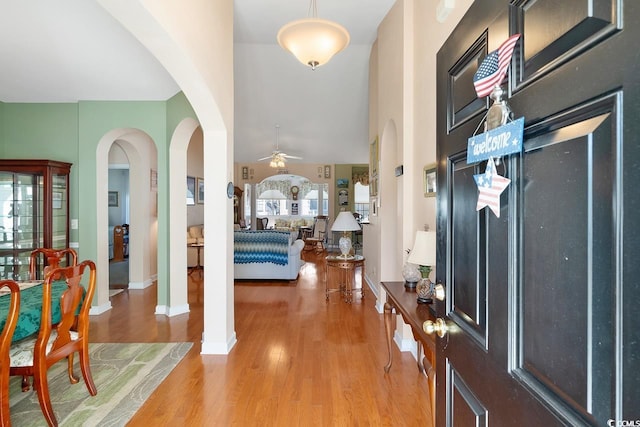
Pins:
x: 439, y: 327
x: 439, y: 292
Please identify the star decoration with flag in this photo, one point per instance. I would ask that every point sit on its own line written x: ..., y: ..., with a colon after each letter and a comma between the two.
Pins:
x: 490, y: 187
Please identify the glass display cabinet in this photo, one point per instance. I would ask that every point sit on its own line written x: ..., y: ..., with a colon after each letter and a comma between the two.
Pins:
x: 34, y: 212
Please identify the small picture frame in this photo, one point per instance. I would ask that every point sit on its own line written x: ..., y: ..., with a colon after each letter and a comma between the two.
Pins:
x: 342, y: 183
x: 191, y: 191
x: 429, y: 180
x: 327, y: 171
x: 245, y: 172
x: 373, y: 157
x: 153, y: 179
x: 57, y: 200
x: 373, y: 186
x: 113, y: 199
x: 200, y: 192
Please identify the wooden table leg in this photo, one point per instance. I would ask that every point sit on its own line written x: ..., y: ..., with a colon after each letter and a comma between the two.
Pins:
x: 349, y: 278
x: 326, y: 281
x: 388, y: 325
x: 362, y: 280
x: 419, y: 357
x: 431, y: 375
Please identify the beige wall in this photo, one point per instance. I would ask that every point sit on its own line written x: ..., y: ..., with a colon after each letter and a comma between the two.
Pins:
x: 402, y: 112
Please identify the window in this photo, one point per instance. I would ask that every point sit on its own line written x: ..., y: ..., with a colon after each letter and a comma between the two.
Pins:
x: 309, y: 204
x: 361, y: 202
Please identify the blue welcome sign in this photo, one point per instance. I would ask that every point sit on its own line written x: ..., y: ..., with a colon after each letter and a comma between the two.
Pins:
x: 506, y: 139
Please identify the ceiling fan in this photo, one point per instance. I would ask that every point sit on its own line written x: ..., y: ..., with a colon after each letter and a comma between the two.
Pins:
x: 278, y: 158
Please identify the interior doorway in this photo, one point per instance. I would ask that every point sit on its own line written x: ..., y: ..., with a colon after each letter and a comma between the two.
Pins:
x: 119, y: 219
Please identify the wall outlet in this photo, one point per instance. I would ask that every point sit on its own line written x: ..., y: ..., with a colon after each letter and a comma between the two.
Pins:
x: 74, y: 224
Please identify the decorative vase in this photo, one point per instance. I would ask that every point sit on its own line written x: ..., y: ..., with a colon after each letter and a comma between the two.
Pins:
x: 411, y: 275
x: 424, y: 290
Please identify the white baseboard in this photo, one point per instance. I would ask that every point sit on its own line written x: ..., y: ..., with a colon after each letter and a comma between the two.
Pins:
x: 166, y: 310
x: 406, y: 344
x: 140, y: 285
x: 218, y: 348
x: 99, y: 309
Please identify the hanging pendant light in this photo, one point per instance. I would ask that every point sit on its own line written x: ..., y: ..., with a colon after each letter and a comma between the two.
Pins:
x: 313, y: 41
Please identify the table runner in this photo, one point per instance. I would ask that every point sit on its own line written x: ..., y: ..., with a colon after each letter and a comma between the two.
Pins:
x: 31, y: 308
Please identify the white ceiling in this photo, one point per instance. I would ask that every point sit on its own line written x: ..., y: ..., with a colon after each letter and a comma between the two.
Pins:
x: 70, y: 50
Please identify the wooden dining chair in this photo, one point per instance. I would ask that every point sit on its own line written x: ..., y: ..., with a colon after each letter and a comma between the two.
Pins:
x: 32, y: 357
x: 5, y: 344
x: 52, y: 260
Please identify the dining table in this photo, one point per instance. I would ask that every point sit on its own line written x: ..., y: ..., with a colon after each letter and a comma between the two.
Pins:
x: 31, y: 307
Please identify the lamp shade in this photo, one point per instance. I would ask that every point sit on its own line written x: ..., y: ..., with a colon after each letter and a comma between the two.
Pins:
x: 424, y: 249
x: 313, y: 41
x: 345, y: 222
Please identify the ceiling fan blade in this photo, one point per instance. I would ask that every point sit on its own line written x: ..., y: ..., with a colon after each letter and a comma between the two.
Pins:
x: 265, y: 158
x: 291, y: 157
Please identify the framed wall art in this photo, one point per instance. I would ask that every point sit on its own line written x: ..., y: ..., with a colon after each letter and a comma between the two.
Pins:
x: 191, y: 191
x: 373, y: 157
x: 200, y: 191
x: 113, y: 199
x: 429, y: 180
x: 373, y: 186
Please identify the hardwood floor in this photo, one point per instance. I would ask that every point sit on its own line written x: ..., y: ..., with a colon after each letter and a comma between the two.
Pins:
x: 299, y: 361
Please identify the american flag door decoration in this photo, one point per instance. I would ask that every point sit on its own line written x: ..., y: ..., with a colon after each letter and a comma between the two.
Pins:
x: 490, y: 187
x: 487, y: 78
x: 494, y: 67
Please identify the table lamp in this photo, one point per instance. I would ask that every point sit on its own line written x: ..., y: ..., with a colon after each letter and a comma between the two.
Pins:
x: 424, y: 254
x: 346, y: 223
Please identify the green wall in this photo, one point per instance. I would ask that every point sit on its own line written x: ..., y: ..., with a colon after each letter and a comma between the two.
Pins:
x: 71, y: 132
x: 2, y: 130
x: 44, y: 131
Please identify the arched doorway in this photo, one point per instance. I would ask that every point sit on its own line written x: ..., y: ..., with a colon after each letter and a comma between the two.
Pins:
x: 140, y: 151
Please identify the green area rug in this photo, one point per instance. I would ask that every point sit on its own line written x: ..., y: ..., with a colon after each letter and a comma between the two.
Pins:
x: 125, y: 376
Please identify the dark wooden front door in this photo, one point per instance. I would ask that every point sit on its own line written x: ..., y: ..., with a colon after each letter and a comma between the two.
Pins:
x: 542, y: 303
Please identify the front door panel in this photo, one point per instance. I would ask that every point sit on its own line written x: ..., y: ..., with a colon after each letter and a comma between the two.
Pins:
x: 540, y: 301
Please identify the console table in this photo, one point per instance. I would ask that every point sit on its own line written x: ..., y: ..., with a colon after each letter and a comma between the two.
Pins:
x: 405, y: 303
x: 198, y: 266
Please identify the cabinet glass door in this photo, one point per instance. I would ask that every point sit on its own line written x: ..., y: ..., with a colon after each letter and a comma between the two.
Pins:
x: 21, y: 222
x: 59, y: 212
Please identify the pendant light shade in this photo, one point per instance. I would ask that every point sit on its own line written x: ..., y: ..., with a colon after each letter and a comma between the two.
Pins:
x: 313, y: 41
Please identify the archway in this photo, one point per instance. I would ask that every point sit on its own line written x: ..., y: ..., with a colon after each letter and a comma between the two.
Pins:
x: 141, y: 152
x: 178, y: 214
x: 195, y: 45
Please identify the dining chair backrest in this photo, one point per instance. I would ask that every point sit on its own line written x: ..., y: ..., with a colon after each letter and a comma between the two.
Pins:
x: 51, y: 259
x: 62, y: 339
x: 5, y: 344
x: 75, y: 303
